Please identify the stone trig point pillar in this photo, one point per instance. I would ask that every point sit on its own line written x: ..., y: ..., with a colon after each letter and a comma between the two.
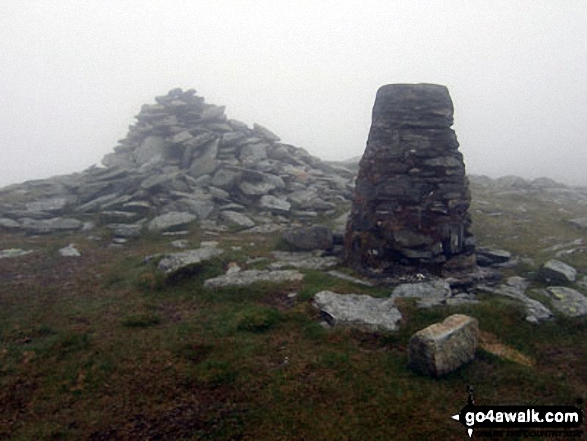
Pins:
x: 411, y: 197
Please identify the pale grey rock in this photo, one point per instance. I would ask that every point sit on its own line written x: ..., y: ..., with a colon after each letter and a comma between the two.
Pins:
x: 69, y: 251
x: 8, y: 223
x: 263, y: 132
x: 487, y: 256
x: 433, y: 293
x: 358, y: 310
x: 151, y: 147
x: 311, y: 238
x: 142, y: 207
x: 126, y: 230
x: 256, y: 188
x: 156, y: 181
x: 50, y: 204
x: 237, y: 219
x: 202, y: 208
x: 97, y: 203
x: 251, y: 153
x: 557, y: 271
x: 225, y: 178
x: 444, y: 347
x: 171, y: 221
x: 205, y: 163
x: 274, y: 204
x: 180, y: 243
x: 568, y: 301
x: 181, y: 137
x: 249, y: 277
x: 211, y: 112
x: 54, y: 225
x: 186, y: 261
x: 13, y: 252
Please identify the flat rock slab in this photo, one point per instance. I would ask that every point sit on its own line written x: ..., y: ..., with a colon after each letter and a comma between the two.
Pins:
x: 515, y: 288
x: 358, y: 310
x: 444, y: 347
x: 47, y: 226
x: 491, y: 256
x: 236, y: 218
x: 432, y: 293
x: 557, y: 271
x: 175, y: 263
x: 13, y: 252
x: 171, y: 221
x: 249, y: 277
x: 568, y: 301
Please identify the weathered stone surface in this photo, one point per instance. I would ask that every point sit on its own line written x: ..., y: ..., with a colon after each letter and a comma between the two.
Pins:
x: 358, y: 310
x: 238, y: 219
x: 13, y: 252
x: 433, y: 293
x: 249, y: 277
x: 171, y: 221
x: 568, y: 301
x: 274, y: 204
x: 47, y: 226
x: 126, y: 230
x: 182, y: 263
x: 8, y: 223
x: 51, y: 204
x: 69, y: 251
x: 411, y: 196
x: 443, y: 347
x: 490, y: 256
x: 557, y: 271
x: 311, y: 238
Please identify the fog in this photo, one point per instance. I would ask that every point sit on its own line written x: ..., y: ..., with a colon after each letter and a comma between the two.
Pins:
x: 74, y: 74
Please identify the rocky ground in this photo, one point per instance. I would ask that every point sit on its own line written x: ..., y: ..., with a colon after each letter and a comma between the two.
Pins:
x: 196, y: 281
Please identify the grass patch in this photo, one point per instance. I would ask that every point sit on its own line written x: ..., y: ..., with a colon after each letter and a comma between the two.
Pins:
x: 258, y: 319
x: 142, y: 320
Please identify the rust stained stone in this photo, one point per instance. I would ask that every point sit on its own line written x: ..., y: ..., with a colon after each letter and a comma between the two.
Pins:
x: 411, y: 201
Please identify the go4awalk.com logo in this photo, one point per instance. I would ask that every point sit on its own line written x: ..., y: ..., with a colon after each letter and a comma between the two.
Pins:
x: 561, y: 421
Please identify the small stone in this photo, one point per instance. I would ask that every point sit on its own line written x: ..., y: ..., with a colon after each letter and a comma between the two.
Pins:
x: 69, y: 251
x: 184, y: 262
x: 180, y: 243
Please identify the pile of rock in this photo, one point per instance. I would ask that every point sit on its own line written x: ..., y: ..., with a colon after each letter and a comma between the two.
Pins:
x: 184, y: 156
x: 411, y: 199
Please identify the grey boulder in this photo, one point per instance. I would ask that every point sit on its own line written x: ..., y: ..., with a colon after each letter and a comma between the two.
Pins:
x: 171, y: 221
x: 444, y: 347
x: 358, y: 310
x: 568, y: 301
x: 557, y: 271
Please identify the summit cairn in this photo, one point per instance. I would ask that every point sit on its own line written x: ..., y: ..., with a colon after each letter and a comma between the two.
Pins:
x: 411, y: 197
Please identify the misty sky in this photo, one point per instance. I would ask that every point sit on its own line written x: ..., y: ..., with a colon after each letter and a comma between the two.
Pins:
x: 74, y: 73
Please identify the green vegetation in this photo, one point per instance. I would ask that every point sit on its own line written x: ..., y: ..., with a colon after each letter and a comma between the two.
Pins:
x: 101, y: 348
